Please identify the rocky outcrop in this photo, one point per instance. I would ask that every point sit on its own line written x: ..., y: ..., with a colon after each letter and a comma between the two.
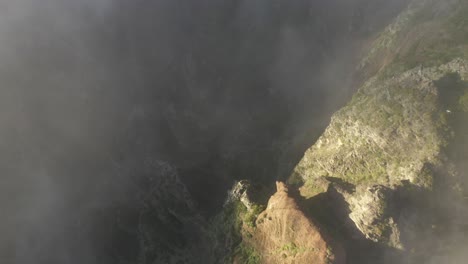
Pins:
x: 240, y: 192
x: 370, y: 209
x: 387, y: 133
x: 393, y: 131
x: 283, y: 234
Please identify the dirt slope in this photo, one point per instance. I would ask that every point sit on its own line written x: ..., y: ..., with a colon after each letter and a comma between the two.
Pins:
x: 283, y: 234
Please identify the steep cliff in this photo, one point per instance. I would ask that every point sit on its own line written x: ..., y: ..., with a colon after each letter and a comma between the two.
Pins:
x: 389, y: 171
x: 399, y: 143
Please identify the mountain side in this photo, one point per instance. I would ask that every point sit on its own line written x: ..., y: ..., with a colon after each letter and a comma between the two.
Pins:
x: 387, y: 176
x: 395, y: 153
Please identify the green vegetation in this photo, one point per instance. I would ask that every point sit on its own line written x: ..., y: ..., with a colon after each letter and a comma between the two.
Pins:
x: 421, y: 36
x: 378, y: 120
x: 453, y: 92
x: 227, y: 230
x: 312, y: 189
x: 235, y: 214
x: 399, y: 125
x: 296, y: 178
x: 229, y: 227
x: 379, y: 229
x: 247, y: 255
x: 232, y: 219
x: 425, y: 178
x: 388, y: 131
x: 447, y: 40
x: 463, y: 102
x: 291, y: 250
x: 329, y: 254
x: 250, y: 216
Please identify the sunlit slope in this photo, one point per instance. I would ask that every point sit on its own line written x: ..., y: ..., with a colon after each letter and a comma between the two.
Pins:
x: 403, y: 133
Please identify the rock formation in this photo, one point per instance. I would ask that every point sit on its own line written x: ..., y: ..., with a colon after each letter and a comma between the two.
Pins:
x: 283, y: 234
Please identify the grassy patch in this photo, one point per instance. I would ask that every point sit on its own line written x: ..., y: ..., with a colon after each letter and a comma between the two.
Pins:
x: 247, y: 255
x: 424, y: 37
x: 291, y: 250
x: 295, y: 179
x: 311, y: 189
x: 250, y: 217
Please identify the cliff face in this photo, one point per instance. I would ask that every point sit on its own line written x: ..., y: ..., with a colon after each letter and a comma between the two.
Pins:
x: 391, y: 163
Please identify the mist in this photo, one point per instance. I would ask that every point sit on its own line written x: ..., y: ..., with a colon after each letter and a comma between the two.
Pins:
x: 98, y: 98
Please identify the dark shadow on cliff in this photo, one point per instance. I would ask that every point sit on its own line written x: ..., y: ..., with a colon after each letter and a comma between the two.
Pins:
x: 453, y: 97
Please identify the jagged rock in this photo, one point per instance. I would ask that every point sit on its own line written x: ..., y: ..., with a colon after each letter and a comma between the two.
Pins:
x: 283, y: 234
x: 370, y: 210
x: 240, y: 192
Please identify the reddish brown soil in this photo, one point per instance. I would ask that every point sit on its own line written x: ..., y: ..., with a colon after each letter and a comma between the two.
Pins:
x: 285, y: 235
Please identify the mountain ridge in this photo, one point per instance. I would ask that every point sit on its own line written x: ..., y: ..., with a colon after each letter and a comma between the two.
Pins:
x: 387, y: 158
